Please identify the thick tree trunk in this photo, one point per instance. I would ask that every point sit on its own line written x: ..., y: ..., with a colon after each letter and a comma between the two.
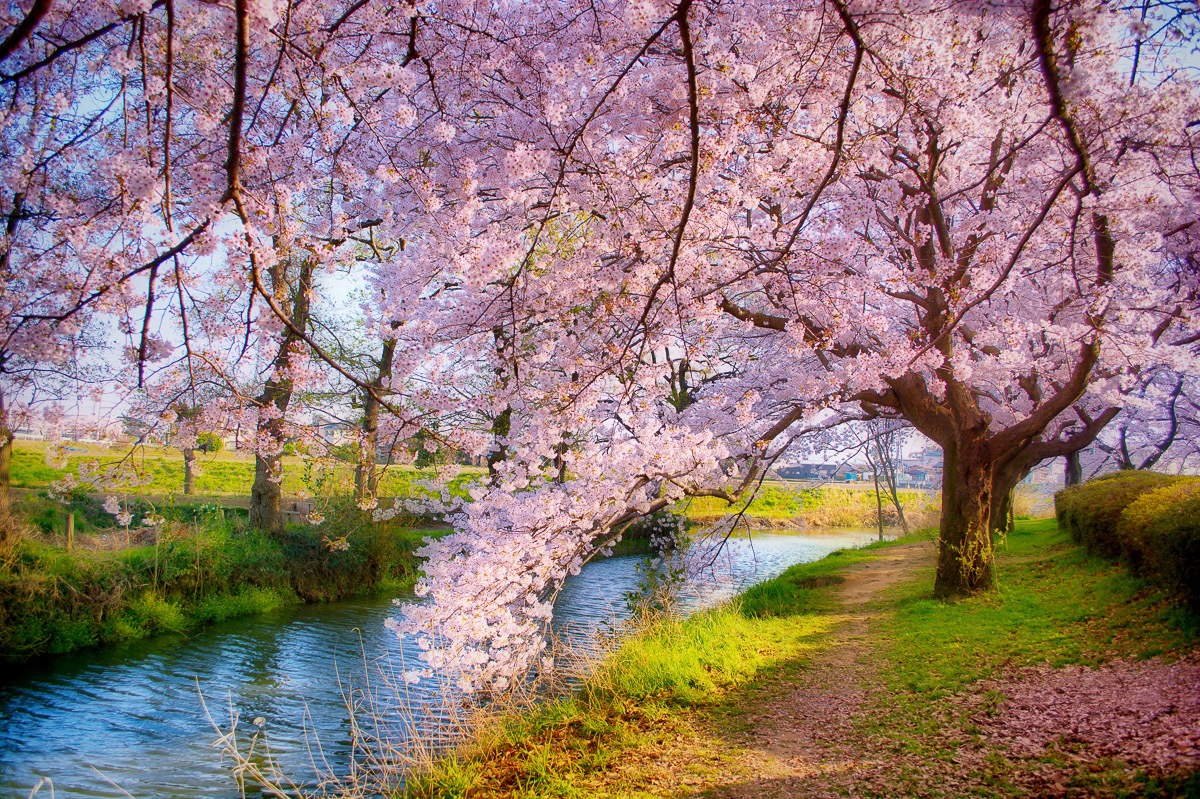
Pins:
x: 1073, y: 472
x: 1004, y: 488
x: 266, y: 495
x: 965, y: 547
x: 189, y: 472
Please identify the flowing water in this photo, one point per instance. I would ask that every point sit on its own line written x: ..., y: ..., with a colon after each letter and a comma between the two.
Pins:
x: 129, y: 720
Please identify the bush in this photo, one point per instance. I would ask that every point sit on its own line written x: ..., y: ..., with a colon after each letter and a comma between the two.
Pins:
x: 1151, y: 521
x: 1090, y: 512
x: 209, y: 442
x: 1160, y: 538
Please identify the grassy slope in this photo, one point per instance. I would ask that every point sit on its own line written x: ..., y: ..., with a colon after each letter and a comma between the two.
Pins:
x: 196, y: 573
x: 223, y: 473
x: 679, y: 690
x: 833, y: 505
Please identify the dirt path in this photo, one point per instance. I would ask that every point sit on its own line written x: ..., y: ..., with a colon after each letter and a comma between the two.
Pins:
x: 794, y: 735
x: 802, y: 736
x: 826, y: 723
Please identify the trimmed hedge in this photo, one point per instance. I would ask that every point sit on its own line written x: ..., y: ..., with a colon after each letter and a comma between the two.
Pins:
x: 1150, y: 521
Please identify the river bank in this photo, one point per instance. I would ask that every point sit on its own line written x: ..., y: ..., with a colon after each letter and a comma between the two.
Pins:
x: 201, y: 565
x: 204, y: 564
x: 844, y: 676
x: 322, y: 675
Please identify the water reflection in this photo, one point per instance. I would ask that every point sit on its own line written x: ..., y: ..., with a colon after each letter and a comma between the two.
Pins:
x: 132, y: 714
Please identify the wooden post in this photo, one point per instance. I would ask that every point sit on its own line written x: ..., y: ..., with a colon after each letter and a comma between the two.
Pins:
x: 70, y: 531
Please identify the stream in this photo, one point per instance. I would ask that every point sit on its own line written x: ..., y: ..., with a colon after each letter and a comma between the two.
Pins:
x: 129, y: 720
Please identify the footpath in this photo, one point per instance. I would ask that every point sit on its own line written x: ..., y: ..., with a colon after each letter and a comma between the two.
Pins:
x: 798, y: 731
x: 845, y: 677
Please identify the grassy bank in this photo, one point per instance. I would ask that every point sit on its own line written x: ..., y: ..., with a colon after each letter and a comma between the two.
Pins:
x: 674, y: 711
x: 203, y: 565
x: 635, y: 697
x: 817, y: 506
x: 222, y: 473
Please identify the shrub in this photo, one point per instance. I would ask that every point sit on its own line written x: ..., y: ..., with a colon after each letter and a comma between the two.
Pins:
x: 209, y: 442
x: 1160, y: 538
x: 1090, y: 512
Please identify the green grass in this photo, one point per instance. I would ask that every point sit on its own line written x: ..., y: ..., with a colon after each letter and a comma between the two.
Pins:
x: 223, y: 474
x: 1055, y: 604
x: 819, y: 506
x: 676, y: 688
x: 197, y: 572
x: 669, y: 665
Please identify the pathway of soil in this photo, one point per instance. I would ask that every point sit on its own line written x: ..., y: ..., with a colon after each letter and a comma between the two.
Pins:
x: 802, y: 733
x: 796, y: 734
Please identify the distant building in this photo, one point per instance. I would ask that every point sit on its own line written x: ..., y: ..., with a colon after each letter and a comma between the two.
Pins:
x: 806, y: 471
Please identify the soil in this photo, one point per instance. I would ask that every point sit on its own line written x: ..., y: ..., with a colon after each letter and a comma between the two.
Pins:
x: 806, y: 731
x: 803, y: 731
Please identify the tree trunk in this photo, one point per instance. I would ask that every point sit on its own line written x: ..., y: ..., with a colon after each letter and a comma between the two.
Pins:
x: 875, y: 476
x: 887, y: 462
x: 1004, y: 487
x: 878, y: 504
x: 189, y: 472
x: 366, y: 478
x: 266, y: 495
x: 6, y: 449
x: 965, y: 550
x: 1073, y: 472
x: 501, y: 426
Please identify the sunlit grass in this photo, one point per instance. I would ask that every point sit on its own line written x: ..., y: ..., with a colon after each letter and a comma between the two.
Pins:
x: 225, y: 473
x: 663, y: 706
x: 670, y: 666
x: 818, y: 506
x: 1054, y: 605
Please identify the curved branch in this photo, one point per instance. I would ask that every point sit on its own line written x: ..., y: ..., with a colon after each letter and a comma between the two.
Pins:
x: 25, y: 27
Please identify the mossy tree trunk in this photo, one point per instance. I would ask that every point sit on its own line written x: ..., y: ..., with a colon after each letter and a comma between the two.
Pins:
x: 965, y: 546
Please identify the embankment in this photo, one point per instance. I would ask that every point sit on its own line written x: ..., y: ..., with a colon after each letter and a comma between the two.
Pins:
x: 846, y: 677
x: 204, y: 565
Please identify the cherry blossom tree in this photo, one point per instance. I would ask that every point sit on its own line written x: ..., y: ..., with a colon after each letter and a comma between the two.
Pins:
x: 161, y: 158
x: 1156, y: 429
x: 979, y: 218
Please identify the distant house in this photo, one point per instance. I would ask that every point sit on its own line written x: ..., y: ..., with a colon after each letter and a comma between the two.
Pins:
x: 806, y: 471
x: 850, y: 473
x: 333, y: 431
